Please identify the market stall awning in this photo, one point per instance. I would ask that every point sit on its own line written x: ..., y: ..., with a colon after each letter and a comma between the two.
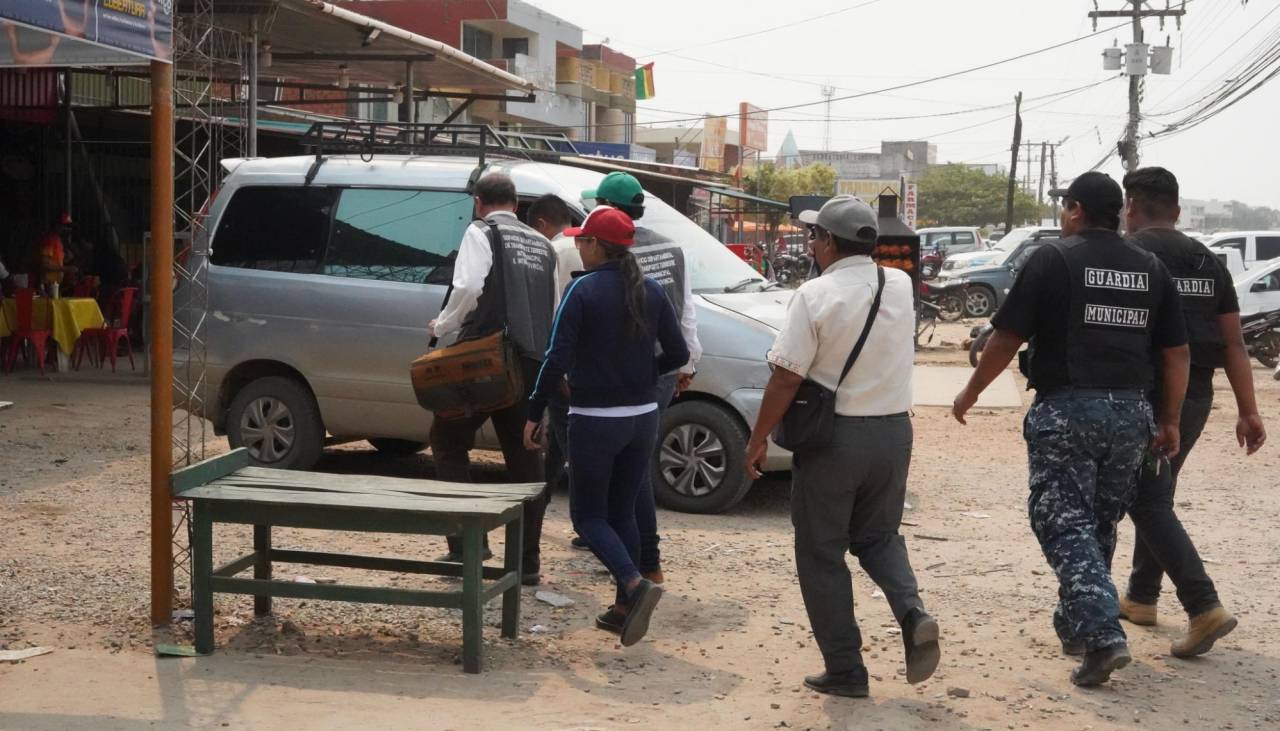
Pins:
x: 748, y: 198
x: 84, y: 32
x: 315, y: 40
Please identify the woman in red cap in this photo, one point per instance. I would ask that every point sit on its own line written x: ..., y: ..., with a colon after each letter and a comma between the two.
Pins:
x: 603, y: 341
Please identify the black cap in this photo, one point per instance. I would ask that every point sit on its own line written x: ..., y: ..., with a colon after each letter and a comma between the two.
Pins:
x: 1098, y: 192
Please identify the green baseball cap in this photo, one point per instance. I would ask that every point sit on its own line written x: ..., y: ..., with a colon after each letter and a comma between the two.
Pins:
x: 619, y: 189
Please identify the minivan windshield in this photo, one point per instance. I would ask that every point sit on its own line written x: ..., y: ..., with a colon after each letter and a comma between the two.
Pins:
x: 712, y: 266
x: 1013, y: 238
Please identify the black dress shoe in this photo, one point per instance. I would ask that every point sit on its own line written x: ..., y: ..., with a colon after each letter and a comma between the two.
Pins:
x: 580, y: 543
x: 456, y: 556
x: 612, y: 620
x: 1099, y: 664
x: 851, y: 684
x: 531, y: 571
x: 639, y: 609
x: 920, y: 638
x: 1074, y: 648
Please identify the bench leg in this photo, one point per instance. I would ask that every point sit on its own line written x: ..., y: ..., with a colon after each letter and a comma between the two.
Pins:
x: 262, y: 566
x: 472, y: 608
x: 512, y: 564
x: 202, y: 575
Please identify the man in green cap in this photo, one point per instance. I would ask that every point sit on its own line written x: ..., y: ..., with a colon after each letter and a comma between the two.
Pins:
x: 662, y: 260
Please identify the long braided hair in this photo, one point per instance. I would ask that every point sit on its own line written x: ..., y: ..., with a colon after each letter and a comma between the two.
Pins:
x: 633, y: 280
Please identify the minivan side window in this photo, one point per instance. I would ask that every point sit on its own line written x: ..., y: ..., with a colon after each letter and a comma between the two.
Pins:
x: 1237, y: 244
x: 397, y: 235
x: 965, y: 241
x: 277, y: 228
x: 1268, y: 247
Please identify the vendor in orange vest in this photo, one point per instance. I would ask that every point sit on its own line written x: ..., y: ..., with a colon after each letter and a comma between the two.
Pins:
x: 53, y: 255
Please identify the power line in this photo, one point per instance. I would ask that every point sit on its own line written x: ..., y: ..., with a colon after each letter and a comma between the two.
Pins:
x: 771, y: 29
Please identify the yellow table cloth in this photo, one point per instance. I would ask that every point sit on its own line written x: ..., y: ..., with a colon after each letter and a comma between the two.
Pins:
x: 67, y: 317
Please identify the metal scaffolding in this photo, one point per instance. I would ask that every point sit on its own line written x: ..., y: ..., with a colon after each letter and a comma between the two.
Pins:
x: 210, y: 121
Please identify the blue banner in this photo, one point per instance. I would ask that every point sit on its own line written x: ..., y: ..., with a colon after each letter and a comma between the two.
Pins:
x: 83, y: 32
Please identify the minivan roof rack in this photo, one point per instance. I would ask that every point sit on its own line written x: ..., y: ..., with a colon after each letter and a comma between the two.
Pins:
x: 428, y: 138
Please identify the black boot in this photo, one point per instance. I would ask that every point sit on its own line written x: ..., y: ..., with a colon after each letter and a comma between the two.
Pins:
x: 534, y: 512
x: 850, y: 684
x: 1073, y: 648
x: 920, y: 637
x: 1099, y: 664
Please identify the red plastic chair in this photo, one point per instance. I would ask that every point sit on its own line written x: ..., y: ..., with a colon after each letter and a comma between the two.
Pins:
x: 107, y: 338
x: 84, y: 287
x: 26, y: 332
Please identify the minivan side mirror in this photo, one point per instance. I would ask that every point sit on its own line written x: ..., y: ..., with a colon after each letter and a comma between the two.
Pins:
x: 1259, y: 286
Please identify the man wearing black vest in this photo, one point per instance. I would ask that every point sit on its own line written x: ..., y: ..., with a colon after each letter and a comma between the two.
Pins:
x: 524, y: 305
x: 1213, y: 327
x: 1095, y: 309
x: 662, y: 260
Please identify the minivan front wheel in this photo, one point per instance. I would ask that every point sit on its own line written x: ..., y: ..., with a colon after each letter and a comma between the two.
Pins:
x: 277, y: 420
x: 699, y: 464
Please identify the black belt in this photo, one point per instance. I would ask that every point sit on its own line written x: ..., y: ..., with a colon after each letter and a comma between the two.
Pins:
x: 1111, y: 394
x: 899, y: 415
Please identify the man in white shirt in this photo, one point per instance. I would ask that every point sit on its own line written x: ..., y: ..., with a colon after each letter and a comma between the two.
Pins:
x: 515, y: 293
x: 848, y: 495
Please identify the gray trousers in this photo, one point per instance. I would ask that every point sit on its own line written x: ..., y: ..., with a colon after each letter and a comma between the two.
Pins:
x: 848, y: 496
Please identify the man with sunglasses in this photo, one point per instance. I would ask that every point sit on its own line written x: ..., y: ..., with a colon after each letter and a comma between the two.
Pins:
x: 1100, y: 314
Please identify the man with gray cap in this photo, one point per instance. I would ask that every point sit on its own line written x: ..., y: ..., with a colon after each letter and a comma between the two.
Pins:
x: 850, y: 330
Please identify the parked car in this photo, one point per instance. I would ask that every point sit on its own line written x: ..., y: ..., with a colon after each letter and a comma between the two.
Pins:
x: 1254, y: 246
x: 320, y: 292
x: 936, y: 244
x: 1001, y: 251
x: 1258, y: 289
x: 989, y: 285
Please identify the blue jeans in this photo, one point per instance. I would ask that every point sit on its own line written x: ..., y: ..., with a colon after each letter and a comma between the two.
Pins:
x: 608, y: 461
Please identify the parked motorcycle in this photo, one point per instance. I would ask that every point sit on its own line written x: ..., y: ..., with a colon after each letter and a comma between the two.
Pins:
x: 1261, y: 338
x: 948, y: 298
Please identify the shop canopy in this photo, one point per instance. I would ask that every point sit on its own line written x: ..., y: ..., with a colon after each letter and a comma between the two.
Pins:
x: 85, y: 32
x: 314, y: 40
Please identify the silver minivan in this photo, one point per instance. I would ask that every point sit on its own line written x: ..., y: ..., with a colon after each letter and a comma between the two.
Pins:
x: 320, y: 291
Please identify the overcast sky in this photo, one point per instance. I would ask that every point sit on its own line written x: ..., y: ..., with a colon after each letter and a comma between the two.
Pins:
x: 886, y: 43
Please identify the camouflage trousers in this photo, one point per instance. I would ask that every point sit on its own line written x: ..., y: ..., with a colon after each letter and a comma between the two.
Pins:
x: 1084, y: 455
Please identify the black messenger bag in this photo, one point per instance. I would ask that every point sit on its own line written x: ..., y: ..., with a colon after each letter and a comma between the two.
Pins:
x: 810, y: 420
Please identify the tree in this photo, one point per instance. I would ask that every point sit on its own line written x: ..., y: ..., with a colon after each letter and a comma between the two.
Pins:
x: 779, y: 184
x: 958, y: 195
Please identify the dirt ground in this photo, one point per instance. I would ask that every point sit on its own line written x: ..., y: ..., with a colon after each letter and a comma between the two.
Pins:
x: 730, y: 641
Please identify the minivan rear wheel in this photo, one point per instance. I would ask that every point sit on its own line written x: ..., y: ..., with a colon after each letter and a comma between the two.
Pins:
x: 277, y: 420
x: 699, y: 462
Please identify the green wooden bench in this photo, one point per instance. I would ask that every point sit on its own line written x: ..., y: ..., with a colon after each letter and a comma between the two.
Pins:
x: 226, y: 489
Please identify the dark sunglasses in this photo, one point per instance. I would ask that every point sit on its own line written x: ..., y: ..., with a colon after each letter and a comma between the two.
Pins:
x: 813, y: 230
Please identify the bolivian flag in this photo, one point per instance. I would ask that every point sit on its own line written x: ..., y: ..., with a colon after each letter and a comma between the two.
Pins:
x: 644, y: 82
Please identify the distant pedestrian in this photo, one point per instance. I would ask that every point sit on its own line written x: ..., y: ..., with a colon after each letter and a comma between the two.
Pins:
x: 609, y: 321
x: 663, y: 260
x: 847, y: 496
x: 1212, y: 313
x: 477, y: 308
x: 1097, y: 311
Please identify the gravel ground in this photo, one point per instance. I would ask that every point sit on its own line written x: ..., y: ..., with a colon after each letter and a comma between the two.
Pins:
x: 730, y: 641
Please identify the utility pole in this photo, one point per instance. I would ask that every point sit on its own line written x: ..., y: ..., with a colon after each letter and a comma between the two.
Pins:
x: 1013, y: 165
x: 1044, y: 148
x: 1053, y: 176
x: 1136, y: 71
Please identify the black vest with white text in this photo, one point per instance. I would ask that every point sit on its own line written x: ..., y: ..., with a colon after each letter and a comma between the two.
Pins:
x: 1193, y: 268
x: 1114, y: 299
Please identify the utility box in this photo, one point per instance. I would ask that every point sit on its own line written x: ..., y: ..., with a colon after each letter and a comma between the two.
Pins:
x: 1135, y: 59
x: 1111, y: 59
x: 1162, y: 60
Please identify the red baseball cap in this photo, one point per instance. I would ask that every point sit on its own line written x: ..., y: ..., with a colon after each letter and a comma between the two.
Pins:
x: 607, y: 224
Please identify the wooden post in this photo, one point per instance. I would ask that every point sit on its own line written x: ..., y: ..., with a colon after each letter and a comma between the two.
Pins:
x: 472, y: 605
x: 161, y: 338
x: 262, y: 566
x: 202, y: 574
x: 512, y: 563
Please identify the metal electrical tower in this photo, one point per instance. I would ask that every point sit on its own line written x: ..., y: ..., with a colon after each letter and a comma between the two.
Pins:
x: 829, y: 92
x: 1136, y: 66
